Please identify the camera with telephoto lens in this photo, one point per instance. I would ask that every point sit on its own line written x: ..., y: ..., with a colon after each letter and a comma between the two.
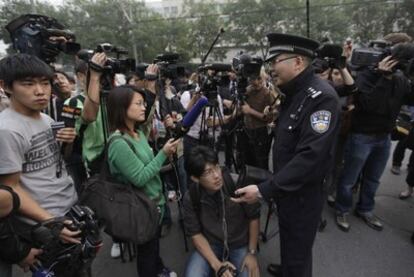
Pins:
x: 212, y: 76
x: 65, y: 259
x: 167, y: 64
x: 33, y: 34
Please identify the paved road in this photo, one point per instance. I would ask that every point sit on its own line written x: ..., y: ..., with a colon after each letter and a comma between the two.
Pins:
x: 362, y: 252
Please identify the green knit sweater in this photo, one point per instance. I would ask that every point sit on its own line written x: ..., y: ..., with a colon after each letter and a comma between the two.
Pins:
x: 139, y: 168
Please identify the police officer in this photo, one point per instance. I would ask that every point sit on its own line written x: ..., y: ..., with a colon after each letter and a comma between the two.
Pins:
x: 305, y: 135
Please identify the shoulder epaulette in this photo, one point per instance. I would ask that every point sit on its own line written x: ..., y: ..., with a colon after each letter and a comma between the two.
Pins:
x: 313, y: 93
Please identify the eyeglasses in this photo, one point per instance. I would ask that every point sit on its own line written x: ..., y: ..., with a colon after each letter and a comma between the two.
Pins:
x: 271, y: 63
x: 209, y: 171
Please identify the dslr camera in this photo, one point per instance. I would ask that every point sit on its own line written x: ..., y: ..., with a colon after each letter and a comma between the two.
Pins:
x: 32, y: 34
x: 329, y: 56
x: 246, y: 66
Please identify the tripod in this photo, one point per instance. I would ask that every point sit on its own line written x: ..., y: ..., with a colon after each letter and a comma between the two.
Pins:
x: 211, y: 118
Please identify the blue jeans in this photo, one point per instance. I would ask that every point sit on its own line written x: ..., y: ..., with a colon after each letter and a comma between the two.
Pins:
x: 367, y: 154
x: 198, y: 266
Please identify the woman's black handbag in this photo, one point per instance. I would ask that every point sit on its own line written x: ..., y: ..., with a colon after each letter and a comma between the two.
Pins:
x: 127, y: 213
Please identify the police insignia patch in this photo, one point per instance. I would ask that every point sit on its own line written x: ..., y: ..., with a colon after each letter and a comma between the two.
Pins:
x: 320, y: 121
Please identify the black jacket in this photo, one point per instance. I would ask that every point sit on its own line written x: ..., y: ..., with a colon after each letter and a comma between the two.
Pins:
x: 379, y: 101
x: 305, y: 135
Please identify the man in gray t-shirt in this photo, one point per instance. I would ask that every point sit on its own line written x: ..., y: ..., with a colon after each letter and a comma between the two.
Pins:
x: 30, y: 160
x: 28, y: 146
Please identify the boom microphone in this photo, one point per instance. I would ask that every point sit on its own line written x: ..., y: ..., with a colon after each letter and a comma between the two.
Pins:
x: 190, y: 118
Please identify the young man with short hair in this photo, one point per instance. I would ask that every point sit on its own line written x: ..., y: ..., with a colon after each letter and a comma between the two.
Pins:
x: 30, y: 160
x: 224, y: 233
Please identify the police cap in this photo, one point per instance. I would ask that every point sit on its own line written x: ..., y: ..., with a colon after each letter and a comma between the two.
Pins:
x: 283, y: 43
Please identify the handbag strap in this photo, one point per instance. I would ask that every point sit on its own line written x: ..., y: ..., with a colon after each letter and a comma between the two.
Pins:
x: 105, y: 173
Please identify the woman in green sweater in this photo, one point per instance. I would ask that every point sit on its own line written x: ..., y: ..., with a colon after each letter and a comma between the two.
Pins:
x: 138, y: 166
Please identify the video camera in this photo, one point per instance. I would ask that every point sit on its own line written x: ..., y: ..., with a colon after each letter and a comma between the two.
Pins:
x: 247, y: 66
x: 378, y: 50
x: 167, y: 64
x: 62, y: 257
x: 211, y: 76
x: 329, y: 56
x: 41, y: 36
x: 113, y: 65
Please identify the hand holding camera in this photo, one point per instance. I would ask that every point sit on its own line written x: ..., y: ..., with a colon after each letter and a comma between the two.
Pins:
x: 226, y: 269
x: 386, y: 66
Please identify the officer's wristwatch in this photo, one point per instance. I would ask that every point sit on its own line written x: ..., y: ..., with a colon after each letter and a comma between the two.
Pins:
x: 252, y: 252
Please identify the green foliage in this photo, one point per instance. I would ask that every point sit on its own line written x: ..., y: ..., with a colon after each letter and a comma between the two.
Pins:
x: 128, y: 23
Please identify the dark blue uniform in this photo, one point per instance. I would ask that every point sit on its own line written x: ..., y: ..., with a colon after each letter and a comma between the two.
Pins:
x: 303, y: 152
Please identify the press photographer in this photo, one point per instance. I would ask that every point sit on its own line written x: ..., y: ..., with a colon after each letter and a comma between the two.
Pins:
x: 31, y: 163
x: 254, y: 139
x: 383, y: 84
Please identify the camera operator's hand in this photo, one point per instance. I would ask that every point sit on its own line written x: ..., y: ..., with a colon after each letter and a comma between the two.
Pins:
x: 226, y: 273
x: 151, y: 74
x: 386, y: 66
x: 67, y: 135
x: 170, y: 147
x: 69, y: 236
x: 251, y: 265
x: 30, y: 260
x: 99, y: 60
x: 169, y: 122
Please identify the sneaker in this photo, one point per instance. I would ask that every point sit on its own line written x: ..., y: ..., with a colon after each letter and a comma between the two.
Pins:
x: 166, y: 272
x: 406, y: 193
x: 331, y: 201
x: 396, y: 170
x: 371, y: 220
x: 172, y: 195
x: 342, y: 222
x: 115, y: 250
x: 275, y: 270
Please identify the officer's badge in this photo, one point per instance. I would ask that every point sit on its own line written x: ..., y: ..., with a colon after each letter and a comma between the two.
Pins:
x: 320, y: 121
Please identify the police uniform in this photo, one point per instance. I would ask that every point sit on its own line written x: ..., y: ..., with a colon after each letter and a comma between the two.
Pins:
x: 303, y: 151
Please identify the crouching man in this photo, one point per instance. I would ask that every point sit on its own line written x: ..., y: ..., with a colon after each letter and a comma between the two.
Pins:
x: 224, y: 233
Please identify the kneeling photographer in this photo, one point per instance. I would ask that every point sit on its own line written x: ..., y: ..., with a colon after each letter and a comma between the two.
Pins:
x: 224, y: 233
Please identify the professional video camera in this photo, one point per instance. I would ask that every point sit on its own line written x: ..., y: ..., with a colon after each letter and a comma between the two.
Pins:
x: 41, y: 36
x: 247, y: 69
x: 211, y: 77
x: 329, y: 56
x: 247, y: 66
x: 167, y: 64
x: 378, y: 50
x: 67, y: 259
x: 113, y: 65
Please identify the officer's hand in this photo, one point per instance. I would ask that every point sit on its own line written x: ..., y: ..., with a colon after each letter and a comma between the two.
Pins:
x: 67, y: 135
x: 251, y: 265
x: 98, y: 59
x: 387, y: 64
x: 30, y: 259
x: 226, y: 273
x: 249, y: 194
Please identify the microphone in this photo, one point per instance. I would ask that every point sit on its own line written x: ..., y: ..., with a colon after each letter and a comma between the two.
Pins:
x: 70, y: 113
x: 190, y: 118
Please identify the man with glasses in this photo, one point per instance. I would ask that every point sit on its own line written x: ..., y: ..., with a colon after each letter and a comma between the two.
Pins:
x: 303, y: 151
x: 224, y: 233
